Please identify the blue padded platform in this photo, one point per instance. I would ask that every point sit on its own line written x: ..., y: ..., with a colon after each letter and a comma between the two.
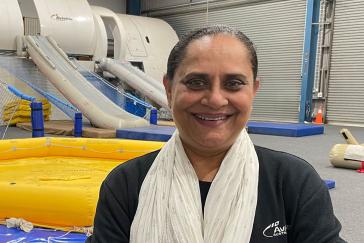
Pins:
x: 285, y: 129
x: 163, y: 133
x: 38, y: 235
x: 330, y: 183
x: 150, y: 133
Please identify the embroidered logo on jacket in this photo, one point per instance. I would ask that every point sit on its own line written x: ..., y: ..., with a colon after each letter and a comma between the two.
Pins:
x: 274, y: 229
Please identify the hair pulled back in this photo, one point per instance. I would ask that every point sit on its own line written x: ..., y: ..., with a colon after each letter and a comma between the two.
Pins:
x: 179, y: 50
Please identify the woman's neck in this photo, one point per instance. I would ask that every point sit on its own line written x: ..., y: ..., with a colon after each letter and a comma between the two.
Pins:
x: 206, y: 166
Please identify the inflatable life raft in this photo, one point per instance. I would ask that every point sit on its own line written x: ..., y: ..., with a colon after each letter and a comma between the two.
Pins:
x: 54, y: 182
x: 350, y: 155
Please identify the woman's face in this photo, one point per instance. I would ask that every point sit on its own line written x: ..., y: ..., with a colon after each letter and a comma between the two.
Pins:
x: 212, y: 92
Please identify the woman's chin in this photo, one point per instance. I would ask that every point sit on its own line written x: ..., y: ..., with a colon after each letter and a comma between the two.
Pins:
x: 215, y: 143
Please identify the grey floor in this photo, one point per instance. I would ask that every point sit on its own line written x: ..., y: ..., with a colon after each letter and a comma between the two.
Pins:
x: 347, y: 197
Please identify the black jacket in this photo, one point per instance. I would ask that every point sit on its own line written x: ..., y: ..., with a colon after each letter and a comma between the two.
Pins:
x: 293, y: 205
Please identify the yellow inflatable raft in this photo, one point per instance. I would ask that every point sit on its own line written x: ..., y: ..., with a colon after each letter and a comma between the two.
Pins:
x: 54, y: 182
x: 20, y: 111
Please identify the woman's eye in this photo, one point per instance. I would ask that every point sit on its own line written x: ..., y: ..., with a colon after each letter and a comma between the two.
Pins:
x: 234, y: 84
x: 195, y: 84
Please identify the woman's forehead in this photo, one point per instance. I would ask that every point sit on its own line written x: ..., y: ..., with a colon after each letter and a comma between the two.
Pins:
x: 223, y: 55
x: 216, y: 46
x: 223, y: 43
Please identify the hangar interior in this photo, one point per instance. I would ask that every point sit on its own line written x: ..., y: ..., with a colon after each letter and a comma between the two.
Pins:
x: 111, y: 56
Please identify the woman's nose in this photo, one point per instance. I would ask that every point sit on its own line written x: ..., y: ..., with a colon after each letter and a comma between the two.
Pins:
x: 215, y: 98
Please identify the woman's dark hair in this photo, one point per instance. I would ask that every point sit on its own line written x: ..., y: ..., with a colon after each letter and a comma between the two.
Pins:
x: 179, y: 50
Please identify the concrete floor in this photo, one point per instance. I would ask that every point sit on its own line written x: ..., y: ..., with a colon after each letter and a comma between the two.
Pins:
x: 14, y: 132
x: 347, y: 197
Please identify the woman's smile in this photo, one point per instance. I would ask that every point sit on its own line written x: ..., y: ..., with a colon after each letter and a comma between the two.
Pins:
x: 211, y: 119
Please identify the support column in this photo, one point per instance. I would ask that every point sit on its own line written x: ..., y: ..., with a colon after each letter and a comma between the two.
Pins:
x: 37, y: 119
x: 309, y: 58
x: 133, y: 7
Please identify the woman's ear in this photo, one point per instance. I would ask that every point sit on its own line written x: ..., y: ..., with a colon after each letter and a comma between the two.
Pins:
x: 168, y: 88
x: 256, y: 86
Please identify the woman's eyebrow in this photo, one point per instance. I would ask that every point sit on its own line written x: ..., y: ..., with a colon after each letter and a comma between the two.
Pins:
x: 236, y: 76
x: 206, y: 76
x: 196, y: 75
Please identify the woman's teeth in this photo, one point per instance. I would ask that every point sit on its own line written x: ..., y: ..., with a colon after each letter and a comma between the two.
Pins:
x: 211, y: 118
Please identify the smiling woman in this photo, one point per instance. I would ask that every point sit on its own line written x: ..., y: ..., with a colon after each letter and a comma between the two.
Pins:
x: 209, y: 183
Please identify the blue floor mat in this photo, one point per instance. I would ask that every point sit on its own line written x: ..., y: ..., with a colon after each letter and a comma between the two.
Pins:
x: 163, y: 133
x: 330, y: 184
x: 150, y: 133
x: 39, y: 235
x: 285, y: 129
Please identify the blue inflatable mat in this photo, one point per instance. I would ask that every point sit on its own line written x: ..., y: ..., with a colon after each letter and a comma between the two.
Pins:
x: 150, y: 133
x: 285, y: 129
x: 39, y: 235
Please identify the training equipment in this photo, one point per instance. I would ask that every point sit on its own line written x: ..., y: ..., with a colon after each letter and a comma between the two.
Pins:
x: 54, y: 182
x: 11, y: 101
x: 53, y: 62
x: 6, y: 110
x: 349, y: 155
x: 150, y: 133
x: 330, y: 184
x: 319, y: 118
x: 285, y: 129
x: 163, y: 133
x: 23, y: 111
x: 337, y: 157
x: 40, y: 235
x: 350, y: 139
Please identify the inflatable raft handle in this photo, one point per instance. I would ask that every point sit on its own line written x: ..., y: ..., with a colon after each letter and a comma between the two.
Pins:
x: 349, y: 138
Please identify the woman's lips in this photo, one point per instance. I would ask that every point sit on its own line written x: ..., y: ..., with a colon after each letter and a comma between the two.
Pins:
x: 211, y: 120
x: 208, y: 117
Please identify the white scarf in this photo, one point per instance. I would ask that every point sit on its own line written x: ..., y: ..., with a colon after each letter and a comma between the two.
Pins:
x: 170, y: 211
